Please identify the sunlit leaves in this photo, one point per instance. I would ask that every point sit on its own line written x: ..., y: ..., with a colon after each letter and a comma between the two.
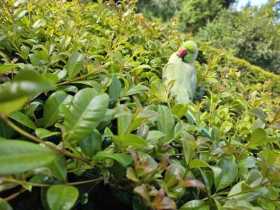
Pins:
x: 25, y: 85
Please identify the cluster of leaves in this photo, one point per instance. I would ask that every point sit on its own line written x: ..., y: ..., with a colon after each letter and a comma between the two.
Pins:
x: 82, y: 102
x: 251, y: 34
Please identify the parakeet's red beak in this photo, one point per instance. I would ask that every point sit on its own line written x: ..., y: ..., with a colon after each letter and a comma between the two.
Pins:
x: 182, y: 52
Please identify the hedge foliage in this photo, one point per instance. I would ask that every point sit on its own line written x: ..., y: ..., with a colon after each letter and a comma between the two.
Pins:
x: 82, y: 103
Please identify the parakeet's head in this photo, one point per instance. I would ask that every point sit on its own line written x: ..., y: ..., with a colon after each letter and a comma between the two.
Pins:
x: 188, y: 51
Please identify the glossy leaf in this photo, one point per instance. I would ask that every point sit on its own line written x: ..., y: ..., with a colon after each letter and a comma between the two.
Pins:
x: 23, y: 119
x: 62, y: 197
x: 18, y: 156
x: 86, y: 112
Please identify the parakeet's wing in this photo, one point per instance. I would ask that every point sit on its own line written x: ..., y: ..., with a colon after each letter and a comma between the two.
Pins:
x: 177, y: 79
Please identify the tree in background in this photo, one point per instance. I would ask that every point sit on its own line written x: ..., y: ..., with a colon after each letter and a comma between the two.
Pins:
x: 163, y: 9
x: 191, y: 12
x: 252, y: 34
x: 195, y: 14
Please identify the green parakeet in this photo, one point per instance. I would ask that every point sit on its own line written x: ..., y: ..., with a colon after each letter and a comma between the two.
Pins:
x: 179, y: 74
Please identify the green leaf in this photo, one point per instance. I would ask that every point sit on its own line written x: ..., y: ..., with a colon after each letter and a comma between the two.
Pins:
x: 18, y: 156
x: 26, y: 84
x: 258, y: 138
x: 23, y: 119
x: 195, y: 205
x: 92, y: 144
x: 39, y: 23
x: 58, y: 168
x: 189, y: 147
x: 130, y: 141
x: 179, y: 110
x: 44, y: 133
x: 39, y: 57
x: 198, y: 164
x: 123, y: 159
x: 124, y: 120
x: 165, y: 121
x: 52, y: 108
x: 115, y: 89
x: 4, y: 68
x: 75, y: 64
x: 228, y: 174
x: 86, y: 112
x: 62, y: 197
x: 137, y: 89
x: 4, y: 205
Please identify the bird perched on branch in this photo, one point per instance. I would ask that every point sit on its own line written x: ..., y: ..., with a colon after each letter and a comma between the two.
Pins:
x: 179, y: 74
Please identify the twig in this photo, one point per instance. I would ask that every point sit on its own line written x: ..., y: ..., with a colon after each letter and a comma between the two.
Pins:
x: 80, y: 77
x: 14, y: 195
x: 22, y: 182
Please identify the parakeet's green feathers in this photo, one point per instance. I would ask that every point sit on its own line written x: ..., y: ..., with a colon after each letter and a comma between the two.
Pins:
x: 192, y: 51
x: 181, y: 77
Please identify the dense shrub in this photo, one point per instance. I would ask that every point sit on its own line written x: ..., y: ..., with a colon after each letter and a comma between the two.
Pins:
x: 84, y: 116
x: 252, y: 34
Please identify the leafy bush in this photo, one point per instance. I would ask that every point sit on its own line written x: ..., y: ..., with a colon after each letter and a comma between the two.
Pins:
x: 83, y: 108
x: 251, y: 34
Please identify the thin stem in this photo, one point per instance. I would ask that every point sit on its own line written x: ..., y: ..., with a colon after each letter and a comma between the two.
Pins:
x: 14, y: 195
x: 40, y: 141
x: 22, y: 182
x: 79, y: 78
x: 86, y: 181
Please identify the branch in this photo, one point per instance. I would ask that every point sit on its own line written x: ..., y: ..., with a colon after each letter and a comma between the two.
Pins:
x: 40, y: 141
